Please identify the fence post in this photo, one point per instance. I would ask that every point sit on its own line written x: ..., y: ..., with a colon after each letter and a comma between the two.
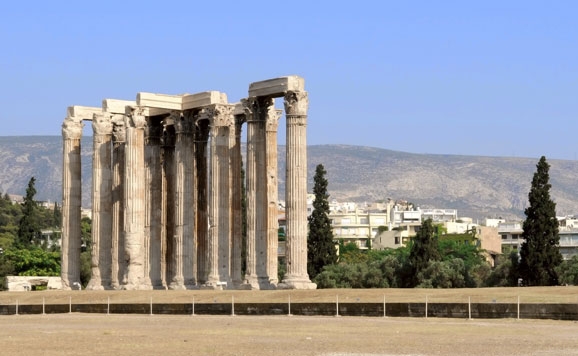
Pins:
x: 108, y: 306
x: 151, y: 306
x: 232, y: 305
x: 289, y: 313
x: 518, y: 317
x: 426, y: 306
x: 16, y: 306
x: 384, y: 306
x: 470, y: 308
x: 69, y: 305
x: 43, y: 305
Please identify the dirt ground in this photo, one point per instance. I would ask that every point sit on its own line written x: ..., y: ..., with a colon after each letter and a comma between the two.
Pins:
x: 475, y: 295
x: 89, y: 334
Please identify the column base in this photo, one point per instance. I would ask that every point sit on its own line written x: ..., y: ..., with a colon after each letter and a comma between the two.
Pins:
x: 260, y: 283
x: 296, y: 283
x: 136, y: 287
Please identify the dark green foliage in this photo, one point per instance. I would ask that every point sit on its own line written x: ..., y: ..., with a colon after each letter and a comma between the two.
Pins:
x: 540, y: 254
x: 29, y: 225
x: 320, y: 246
x: 424, y: 248
x: 33, y: 262
x: 568, y: 271
x: 505, y: 273
x: 442, y: 274
x: 85, y: 268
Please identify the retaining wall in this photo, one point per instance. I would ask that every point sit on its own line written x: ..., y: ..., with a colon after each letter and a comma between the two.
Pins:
x: 438, y: 310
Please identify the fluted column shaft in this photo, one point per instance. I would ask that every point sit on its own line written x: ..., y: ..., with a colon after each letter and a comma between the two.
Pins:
x: 219, y: 248
x: 71, y: 202
x: 169, y: 202
x: 101, y: 257
x: 153, y: 199
x: 184, y: 210
x: 296, y: 104
x: 118, y: 167
x: 201, y: 141
x: 271, y: 125
x: 236, y: 204
x: 253, y: 125
x: 134, y: 218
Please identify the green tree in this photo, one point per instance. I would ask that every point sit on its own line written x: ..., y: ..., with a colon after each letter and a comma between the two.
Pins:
x: 424, y: 248
x: 568, y: 271
x: 320, y: 245
x: 29, y: 227
x: 540, y: 253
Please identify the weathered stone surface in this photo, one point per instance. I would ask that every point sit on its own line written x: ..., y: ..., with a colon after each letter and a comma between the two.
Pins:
x: 163, y: 101
x: 115, y: 106
x: 24, y: 283
x: 191, y: 101
x: 83, y: 112
x: 277, y: 87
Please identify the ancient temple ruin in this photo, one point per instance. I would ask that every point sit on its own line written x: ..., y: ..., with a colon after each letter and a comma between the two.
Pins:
x: 167, y: 190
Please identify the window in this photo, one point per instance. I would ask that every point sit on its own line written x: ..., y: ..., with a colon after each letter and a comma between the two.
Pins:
x: 345, y: 221
x: 504, y: 237
x: 397, y: 240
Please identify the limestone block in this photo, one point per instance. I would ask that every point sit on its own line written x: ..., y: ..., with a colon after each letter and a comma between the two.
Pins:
x: 277, y: 87
x: 83, y: 112
x: 24, y: 283
x: 162, y: 101
x: 191, y: 101
x: 115, y: 106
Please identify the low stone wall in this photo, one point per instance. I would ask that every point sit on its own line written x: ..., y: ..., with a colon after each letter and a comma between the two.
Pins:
x: 438, y: 310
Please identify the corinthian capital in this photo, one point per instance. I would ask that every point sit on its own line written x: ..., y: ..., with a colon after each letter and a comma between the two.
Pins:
x: 135, y: 118
x: 221, y: 115
x: 118, y: 128
x: 296, y: 103
x: 72, y: 128
x: 101, y: 124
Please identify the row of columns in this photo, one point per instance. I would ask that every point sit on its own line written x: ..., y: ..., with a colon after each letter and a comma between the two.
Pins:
x: 167, y: 192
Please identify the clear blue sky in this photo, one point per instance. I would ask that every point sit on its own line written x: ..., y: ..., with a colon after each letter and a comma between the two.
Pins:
x: 496, y: 78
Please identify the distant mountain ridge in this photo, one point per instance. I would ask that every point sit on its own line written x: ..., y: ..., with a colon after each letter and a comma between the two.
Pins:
x: 476, y: 186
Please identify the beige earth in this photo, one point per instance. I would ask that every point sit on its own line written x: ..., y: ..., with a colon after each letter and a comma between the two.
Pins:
x: 89, y: 334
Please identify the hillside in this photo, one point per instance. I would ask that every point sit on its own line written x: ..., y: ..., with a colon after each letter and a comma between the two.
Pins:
x: 476, y: 186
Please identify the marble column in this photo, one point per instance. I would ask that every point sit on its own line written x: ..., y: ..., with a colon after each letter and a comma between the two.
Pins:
x: 271, y: 125
x: 118, y: 167
x: 201, y: 141
x: 101, y: 257
x: 183, y: 277
x: 236, y: 204
x: 253, y: 129
x: 71, y: 202
x: 296, y: 104
x: 222, y: 123
x: 153, y: 199
x: 169, y: 200
x: 134, y: 217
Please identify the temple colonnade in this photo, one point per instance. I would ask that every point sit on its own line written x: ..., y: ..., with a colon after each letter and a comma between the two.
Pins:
x: 167, y: 190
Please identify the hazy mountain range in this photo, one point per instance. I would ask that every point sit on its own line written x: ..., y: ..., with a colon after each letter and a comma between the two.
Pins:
x: 476, y: 186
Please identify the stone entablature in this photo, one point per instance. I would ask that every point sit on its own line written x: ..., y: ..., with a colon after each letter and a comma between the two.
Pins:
x: 167, y: 190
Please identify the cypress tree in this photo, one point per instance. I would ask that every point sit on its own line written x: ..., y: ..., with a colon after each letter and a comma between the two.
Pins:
x: 28, y: 227
x: 424, y: 248
x: 540, y: 253
x: 320, y: 245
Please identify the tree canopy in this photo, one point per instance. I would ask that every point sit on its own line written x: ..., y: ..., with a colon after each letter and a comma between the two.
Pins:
x: 320, y: 245
x: 540, y: 253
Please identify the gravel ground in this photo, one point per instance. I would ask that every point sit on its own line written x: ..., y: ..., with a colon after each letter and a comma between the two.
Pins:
x: 82, y: 334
